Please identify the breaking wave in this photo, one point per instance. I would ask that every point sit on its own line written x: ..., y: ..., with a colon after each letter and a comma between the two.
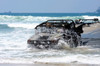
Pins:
x: 91, y: 17
x: 30, y: 22
x: 28, y: 26
x: 4, y: 26
x: 7, y: 18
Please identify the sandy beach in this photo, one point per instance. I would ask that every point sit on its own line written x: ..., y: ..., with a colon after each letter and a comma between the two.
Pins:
x: 49, y: 65
x: 92, y: 27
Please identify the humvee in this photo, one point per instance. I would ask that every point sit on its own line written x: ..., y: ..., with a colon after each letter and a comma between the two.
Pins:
x: 54, y: 33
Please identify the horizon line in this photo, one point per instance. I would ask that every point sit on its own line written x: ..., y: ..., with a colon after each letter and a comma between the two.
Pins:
x: 47, y: 12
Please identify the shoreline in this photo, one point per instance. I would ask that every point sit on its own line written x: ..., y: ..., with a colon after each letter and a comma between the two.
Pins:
x: 92, y: 27
x: 67, y: 64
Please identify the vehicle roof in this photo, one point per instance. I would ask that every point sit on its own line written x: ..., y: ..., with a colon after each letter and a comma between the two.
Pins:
x: 55, y: 22
x: 60, y: 20
x: 95, y: 19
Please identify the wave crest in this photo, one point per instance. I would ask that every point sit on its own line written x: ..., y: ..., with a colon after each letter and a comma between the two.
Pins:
x: 91, y: 17
x: 30, y: 22
x: 28, y: 26
x: 8, y: 18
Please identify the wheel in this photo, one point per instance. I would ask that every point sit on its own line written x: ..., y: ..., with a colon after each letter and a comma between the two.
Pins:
x: 73, y: 42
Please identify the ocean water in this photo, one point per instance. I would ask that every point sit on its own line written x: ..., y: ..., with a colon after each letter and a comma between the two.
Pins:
x: 17, y: 28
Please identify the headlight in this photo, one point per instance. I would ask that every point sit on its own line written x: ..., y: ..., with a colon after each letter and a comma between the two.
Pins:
x: 34, y: 41
x: 48, y: 42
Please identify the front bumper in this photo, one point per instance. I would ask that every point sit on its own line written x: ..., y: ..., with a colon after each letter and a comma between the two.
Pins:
x: 42, y: 42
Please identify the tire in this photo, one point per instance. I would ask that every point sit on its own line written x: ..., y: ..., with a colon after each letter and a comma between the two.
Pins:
x: 73, y: 42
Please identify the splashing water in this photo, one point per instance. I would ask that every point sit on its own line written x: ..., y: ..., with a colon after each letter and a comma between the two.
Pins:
x: 14, y: 32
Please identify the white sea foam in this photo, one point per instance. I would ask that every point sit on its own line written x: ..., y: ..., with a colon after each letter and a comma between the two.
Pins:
x: 30, y: 22
x: 50, y: 57
x: 39, y: 18
x: 17, y: 60
x: 7, y: 18
x: 28, y: 26
x: 91, y: 17
x: 78, y: 58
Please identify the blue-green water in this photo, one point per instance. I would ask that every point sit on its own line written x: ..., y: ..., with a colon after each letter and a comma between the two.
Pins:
x: 51, y: 14
x: 16, y: 28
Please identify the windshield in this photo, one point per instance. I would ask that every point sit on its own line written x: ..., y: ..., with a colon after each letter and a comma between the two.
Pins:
x: 60, y: 21
x: 51, y: 30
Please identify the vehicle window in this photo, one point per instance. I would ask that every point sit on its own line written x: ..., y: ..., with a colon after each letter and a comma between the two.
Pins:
x: 54, y: 21
x: 69, y: 21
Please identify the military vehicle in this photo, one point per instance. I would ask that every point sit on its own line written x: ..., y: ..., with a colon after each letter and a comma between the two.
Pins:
x: 55, y: 33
